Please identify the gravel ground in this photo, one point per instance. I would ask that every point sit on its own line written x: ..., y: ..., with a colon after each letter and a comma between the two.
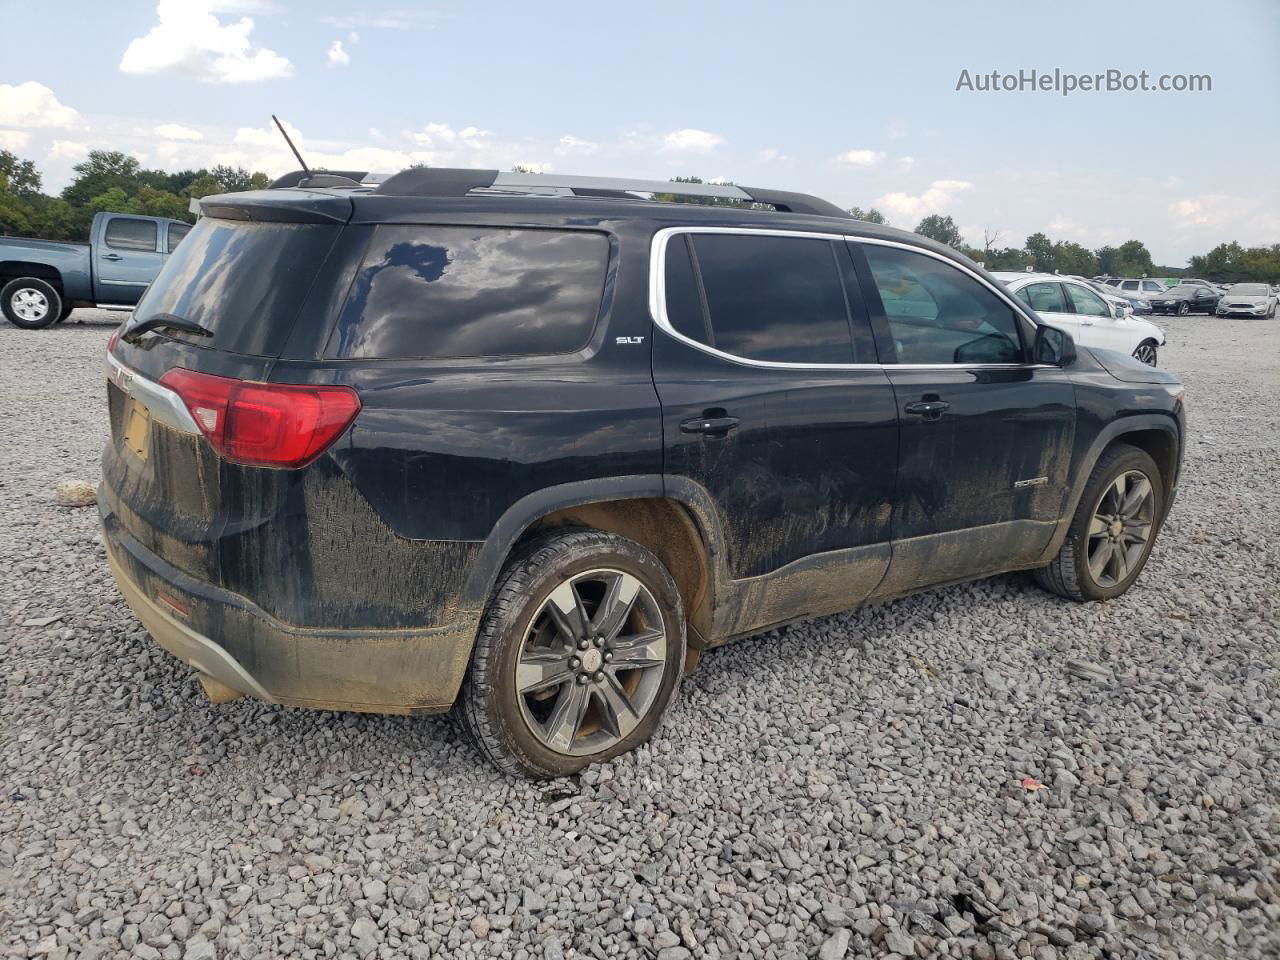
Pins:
x: 848, y: 787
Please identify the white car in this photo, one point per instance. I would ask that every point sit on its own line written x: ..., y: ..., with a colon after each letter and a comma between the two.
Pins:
x: 1074, y: 307
x: 1249, y: 300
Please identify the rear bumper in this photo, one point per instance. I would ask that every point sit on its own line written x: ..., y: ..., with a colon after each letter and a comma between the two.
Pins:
x: 228, y: 638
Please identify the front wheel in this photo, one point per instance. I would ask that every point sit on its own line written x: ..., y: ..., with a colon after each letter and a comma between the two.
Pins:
x: 1184, y: 309
x: 1146, y: 352
x: 30, y: 303
x: 578, y: 655
x: 1113, y: 530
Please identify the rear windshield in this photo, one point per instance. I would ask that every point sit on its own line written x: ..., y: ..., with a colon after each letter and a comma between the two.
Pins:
x: 244, y: 282
x: 435, y: 292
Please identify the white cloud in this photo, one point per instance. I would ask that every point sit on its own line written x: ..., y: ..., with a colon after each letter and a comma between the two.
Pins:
x: 906, y: 163
x: 570, y: 145
x: 770, y: 155
x: 33, y: 104
x: 337, y: 56
x: 386, y: 20
x: 1207, y: 210
x: 14, y: 139
x: 939, y: 195
x: 189, y: 39
x: 690, y: 140
x: 176, y: 131
x: 68, y: 150
x: 860, y: 158
x: 441, y: 134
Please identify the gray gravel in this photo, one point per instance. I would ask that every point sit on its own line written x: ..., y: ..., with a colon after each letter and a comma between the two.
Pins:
x: 849, y: 787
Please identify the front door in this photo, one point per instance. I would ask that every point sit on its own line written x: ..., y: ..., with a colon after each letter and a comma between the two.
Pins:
x: 777, y: 415
x: 128, y: 258
x: 986, y: 435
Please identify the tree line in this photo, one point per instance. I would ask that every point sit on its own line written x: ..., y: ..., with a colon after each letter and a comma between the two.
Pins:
x: 1227, y: 262
x: 109, y: 181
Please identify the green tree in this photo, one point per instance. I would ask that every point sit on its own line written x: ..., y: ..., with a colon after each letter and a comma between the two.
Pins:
x: 204, y: 186
x: 102, y: 171
x: 1133, y: 260
x: 869, y: 215
x: 1071, y: 258
x: 940, y: 228
x: 1040, y: 249
x: 18, y: 176
x: 160, y: 203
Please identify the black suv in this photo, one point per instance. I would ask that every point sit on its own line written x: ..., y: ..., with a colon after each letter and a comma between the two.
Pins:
x: 530, y: 444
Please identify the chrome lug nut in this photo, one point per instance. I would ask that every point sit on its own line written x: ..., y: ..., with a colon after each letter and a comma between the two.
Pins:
x: 582, y: 644
x: 599, y: 676
x: 608, y: 657
x: 582, y: 678
x: 574, y: 663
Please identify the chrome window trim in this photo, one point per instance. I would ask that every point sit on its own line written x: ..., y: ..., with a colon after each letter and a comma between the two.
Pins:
x: 658, y: 301
x: 163, y: 404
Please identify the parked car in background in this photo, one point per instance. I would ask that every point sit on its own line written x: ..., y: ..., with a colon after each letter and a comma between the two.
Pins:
x: 1248, y: 299
x: 1145, y: 288
x: 1186, y: 298
x: 1136, y: 304
x: 1074, y: 306
x: 42, y: 281
x: 387, y: 448
x: 1218, y: 287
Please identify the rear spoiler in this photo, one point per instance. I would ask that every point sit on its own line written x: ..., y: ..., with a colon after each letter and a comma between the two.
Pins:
x: 276, y: 206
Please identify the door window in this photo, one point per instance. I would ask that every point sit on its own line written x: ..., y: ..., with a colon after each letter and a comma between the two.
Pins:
x: 1044, y: 297
x: 1129, y: 285
x: 1086, y: 302
x: 125, y: 234
x: 773, y: 298
x: 176, y: 232
x: 939, y: 315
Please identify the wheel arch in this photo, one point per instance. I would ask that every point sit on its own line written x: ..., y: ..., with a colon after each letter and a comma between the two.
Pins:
x: 18, y: 269
x: 678, y: 526
x: 1158, y: 435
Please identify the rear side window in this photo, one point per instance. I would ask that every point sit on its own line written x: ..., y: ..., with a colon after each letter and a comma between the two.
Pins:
x: 1044, y: 297
x: 124, y: 234
x: 779, y: 299
x: 176, y: 232
x: 432, y: 292
x: 244, y: 282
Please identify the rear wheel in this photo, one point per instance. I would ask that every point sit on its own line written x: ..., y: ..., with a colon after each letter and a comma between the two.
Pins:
x: 1184, y: 308
x: 578, y: 655
x: 1146, y: 352
x: 1113, y: 530
x: 30, y: 303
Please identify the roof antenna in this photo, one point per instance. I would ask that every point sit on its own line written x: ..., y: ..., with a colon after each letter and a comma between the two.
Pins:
x: 302, y: 163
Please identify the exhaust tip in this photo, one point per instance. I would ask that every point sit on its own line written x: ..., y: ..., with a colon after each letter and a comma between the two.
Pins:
x: 216, y: 690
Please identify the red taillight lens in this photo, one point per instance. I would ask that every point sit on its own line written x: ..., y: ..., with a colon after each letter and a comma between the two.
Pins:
x: 115, y: 335
x: 264, y: 424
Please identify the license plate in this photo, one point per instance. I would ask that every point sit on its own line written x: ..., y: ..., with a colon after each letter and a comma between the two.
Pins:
x: 137, y: 431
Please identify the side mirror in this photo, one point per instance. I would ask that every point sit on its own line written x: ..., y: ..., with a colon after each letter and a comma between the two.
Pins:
x: 1054, y: 347
x: 1119, y: 310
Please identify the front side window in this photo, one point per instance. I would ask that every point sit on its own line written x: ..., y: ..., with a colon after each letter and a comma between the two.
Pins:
x: 1152, y: 287
x: 1087, y: 302
x: 771, y: 298
x: 433, y: 292
x: 176, y: 232
x: 1129, y: 285
x: 938, y: 314
x: 125, y: 234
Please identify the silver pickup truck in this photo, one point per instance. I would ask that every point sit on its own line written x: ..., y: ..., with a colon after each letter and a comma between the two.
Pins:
x: 42, y: 281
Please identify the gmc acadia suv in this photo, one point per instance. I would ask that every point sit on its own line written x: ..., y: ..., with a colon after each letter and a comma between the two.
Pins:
x: 530, y: 444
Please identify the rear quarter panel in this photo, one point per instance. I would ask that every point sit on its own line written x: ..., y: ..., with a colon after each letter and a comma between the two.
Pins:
x: 70, y: 260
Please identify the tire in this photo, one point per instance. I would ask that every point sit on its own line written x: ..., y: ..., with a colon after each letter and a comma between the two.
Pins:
x: 1145, y: 352
x: 532, y: 733
x: 1070, y: 574
x: 66, y: 312
x: 1184, y: 308
x: 30, y: 303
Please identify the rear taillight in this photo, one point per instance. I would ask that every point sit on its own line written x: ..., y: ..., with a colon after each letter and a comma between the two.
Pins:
x: 111, y: 344
x: 264, y: 424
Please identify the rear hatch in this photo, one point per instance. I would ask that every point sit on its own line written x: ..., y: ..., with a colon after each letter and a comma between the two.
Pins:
x: 189, y: 392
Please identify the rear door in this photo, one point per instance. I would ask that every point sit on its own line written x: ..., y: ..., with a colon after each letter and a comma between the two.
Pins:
x: 128, y: 256
x: 986, y: 435
x: 1095, y: 325
x: 1049, y: 300
x: 776, y: 414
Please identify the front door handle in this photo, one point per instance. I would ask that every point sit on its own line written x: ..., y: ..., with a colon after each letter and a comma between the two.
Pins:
x: 929, y: 409
x: 112, y: 256
x: 710, y: 426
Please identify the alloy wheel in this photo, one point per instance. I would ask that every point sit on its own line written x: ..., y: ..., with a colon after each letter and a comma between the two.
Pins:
x: 1145, y: 353
x: 30, y: 305
x: 1121, y: 528
x: 591, y: 663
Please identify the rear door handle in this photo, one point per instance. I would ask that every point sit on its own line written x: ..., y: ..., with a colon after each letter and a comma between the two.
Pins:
x: 112, y: 256
x: 710, y: 426
x: 930, y: 409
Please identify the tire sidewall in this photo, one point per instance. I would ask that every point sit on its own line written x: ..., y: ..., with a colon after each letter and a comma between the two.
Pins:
x: 1154, y: 351
x: 13, y: 287
x: 499, y: 699
x: 1124, y: 461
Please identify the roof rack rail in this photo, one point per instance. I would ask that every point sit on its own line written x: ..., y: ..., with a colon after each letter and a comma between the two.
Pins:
x: 457, y: 182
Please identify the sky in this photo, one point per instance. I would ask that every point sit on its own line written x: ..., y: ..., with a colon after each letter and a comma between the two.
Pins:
x: 855, y: 101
